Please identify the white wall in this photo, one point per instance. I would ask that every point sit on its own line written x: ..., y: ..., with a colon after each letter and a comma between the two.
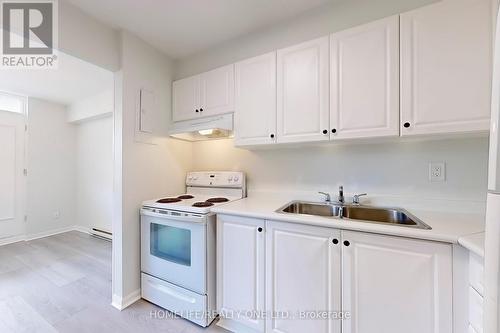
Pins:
x: 51, y: 168
x: 94, y: 173
x: 142, y: 171
x: 88, y: 39
x: 316, y: 23
x: 397, y: 168
x: 92, y: 107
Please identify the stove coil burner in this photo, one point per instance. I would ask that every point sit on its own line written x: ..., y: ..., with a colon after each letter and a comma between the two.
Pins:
x: 217, y: 200
x: 168, y: 200
x: 185, y: 196
x: 202, y: 204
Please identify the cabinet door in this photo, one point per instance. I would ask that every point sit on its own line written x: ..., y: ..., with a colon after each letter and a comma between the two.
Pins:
x: 446, y: 67
x: 303, y: 92
x: 217, y: 91
x: 365, y: 81
x: 240, y: 269
x: 302, y: 278
x: 394, y: 285
x: 185, y: 98
x: 255, y: 116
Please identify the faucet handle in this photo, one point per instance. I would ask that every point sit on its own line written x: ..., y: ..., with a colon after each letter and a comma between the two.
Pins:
x: 355, y: 198
x: 327, y: 196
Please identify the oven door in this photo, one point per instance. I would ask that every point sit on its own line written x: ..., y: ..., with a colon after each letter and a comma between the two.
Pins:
x: 174, y: 249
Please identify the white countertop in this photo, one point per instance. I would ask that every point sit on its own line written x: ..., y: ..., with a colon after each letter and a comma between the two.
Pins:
x: 446, y: 227
x: 474, y: 243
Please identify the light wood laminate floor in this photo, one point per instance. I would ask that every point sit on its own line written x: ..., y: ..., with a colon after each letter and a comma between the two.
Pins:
x: 62, y: 283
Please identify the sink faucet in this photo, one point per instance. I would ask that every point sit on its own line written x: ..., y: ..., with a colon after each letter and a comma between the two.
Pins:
x: 355, y: 198
x: 341, y: 194
x: 327, y: 196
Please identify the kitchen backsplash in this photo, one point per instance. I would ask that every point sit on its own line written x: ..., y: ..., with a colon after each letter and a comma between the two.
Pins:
x: 387, y: 169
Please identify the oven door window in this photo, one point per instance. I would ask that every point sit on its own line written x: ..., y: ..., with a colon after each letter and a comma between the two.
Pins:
x: 171, y: 244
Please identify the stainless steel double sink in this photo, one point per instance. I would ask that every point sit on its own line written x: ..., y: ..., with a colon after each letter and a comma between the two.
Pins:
x: 363, y: 213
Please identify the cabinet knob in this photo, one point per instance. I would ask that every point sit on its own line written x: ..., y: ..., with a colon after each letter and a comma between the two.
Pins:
x: 347, y: 243
x: 197, y: 110
x: 259, y: 229
x: 334, y: 130
x: 272, y: 136
x: 201, y: 110
x: 325, y: 132
x: 335, y: 241
x: 406, y: 125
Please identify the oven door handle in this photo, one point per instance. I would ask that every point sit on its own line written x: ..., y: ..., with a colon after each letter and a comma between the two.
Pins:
x: 189, y: 218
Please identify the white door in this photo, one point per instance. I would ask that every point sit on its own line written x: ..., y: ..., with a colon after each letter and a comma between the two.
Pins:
x: 303, y: 92
x: 240, y: 270
x: 217, y: 91
x: 12, y: 179
x: 185, y: 100
x: 302, y: 278
x: 394, y: 285
x: 365, y: 81
x: 255, y: 115
x: 446, y: 67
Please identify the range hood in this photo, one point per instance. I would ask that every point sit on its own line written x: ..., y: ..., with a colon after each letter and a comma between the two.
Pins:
x: 210, y: 128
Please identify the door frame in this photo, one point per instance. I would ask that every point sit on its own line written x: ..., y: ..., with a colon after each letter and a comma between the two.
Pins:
x: 22, y: 196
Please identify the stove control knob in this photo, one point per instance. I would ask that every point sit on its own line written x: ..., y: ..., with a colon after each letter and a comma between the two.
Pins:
x: 236, y: 178
x: 230, y: 179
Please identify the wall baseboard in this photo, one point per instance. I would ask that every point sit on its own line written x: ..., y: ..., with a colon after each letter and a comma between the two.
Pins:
x: 121, y: 303
x: 29, y: 237
x: 10, y: 240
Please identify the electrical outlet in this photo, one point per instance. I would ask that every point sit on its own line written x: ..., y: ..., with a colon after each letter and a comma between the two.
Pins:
x: 56, y: 215
x: 437, y: 172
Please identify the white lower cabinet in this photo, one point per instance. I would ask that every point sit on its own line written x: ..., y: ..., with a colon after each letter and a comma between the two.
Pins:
x: 394, y: 285
x: 240, y: 272
x: 313, y: 275
x: 476, y: 293
x: 302, y: 278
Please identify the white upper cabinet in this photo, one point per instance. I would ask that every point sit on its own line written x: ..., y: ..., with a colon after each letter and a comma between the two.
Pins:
x: 302, y: 276
x: 203, y: 95
x: 185, y: 98
x: 364, y: 100
x: 303, y: 92
x: 255, y: 114
x: 446, y: 66
x: 394, y: 285
x: 217, y: 91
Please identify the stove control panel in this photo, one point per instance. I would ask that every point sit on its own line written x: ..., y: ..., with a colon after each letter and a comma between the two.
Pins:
x: 232, y: 179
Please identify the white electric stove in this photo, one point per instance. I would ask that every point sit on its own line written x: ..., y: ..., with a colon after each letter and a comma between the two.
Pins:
x: 178, y: 244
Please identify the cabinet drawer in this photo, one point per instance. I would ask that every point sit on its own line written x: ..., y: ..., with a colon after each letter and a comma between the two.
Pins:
x: 475, y: 310
x: 476, y: 273
x: 175, y: 299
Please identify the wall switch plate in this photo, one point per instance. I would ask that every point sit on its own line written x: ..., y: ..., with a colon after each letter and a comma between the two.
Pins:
x: 437, y: 172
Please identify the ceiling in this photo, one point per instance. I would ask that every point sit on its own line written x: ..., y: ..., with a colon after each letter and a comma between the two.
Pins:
x: 184, y: 27
x: 73, y: 80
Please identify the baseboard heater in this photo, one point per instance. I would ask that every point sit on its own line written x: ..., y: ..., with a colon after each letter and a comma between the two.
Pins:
x: 101, y: 233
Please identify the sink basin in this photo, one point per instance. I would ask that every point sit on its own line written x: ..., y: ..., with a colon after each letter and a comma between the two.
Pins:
x: 383, y: 215
x: 309, y: 208
x: 370, y: 214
